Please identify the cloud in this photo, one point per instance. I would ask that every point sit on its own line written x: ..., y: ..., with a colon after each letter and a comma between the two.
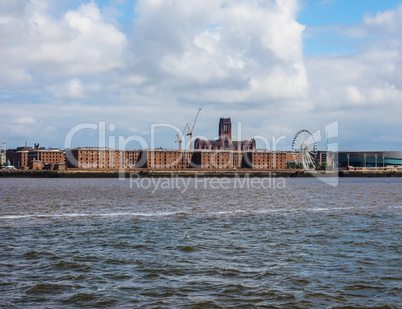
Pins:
x: 354, y: 96
x: 36, y: 43
x: 75, y: 89
x: 25, y: 120
x: 362, y: 89
x: 370, y: 75
x: 251, y: 51
x: 74, y: 62
x: 181, y: 48
x: 389, y: 21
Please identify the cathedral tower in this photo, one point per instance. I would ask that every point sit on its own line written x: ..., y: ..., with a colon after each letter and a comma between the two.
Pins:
x: 225, y: 132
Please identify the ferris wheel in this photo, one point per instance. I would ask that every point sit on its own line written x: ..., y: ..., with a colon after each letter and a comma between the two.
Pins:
x: 304, y: 149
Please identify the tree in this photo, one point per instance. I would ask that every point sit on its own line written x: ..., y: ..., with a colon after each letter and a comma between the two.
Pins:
x: 323, y: 166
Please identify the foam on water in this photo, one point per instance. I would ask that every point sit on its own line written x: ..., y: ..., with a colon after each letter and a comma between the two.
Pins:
x: 89, y: 215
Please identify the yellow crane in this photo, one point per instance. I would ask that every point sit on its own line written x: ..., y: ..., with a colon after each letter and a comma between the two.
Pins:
x: 180, y: 138
x: 191, y: 131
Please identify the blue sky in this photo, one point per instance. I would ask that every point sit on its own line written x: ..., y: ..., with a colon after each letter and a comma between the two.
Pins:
x: 324, y: 13
x: 273, y: 66
x: 321, y: 17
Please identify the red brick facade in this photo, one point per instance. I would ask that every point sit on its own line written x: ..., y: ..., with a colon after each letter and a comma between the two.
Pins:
x: 103, y: 158
x: 265, y: 160
x: 236, y: 159
x: 24, y: 157
x: 168, y: 159
x: 159, y: 159
x: 225, y: 141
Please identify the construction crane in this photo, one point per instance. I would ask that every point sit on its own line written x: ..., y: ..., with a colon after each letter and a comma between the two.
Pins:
x: 180, y: 138
x: 191, y: 131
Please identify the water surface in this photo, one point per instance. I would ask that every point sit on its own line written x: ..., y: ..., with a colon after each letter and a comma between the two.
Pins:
x: 111, y: 243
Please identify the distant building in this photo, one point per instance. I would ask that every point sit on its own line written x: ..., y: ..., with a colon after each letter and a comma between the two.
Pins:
x: 103, y: 158
x: 3, y: 160
x: 168, y: 159
x: 36, y: 158
x: 263, y: 159
x: 18, y: 157
x: 223, y: 159
x: 369, y: 158
x: 224, y: 141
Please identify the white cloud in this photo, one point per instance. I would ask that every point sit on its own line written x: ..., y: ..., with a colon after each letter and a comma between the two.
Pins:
x: 25, y: 120
x: 207, y: 40
x: 234, y: 46
x: 75, y: 89
x: 238, y: 58
x: 362, y: 89
x: 354, y: 96
x: 14, y: 76
x: 81, y: 43
x: 389, y: 20
x: 370, y: 76
x: 134, y: 80
x: 50, y: 133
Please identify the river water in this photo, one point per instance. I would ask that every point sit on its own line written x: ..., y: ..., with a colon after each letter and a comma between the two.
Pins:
x: 200, y: 243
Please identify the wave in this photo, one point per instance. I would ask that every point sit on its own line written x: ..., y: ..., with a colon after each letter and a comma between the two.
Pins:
x: 116, y: 214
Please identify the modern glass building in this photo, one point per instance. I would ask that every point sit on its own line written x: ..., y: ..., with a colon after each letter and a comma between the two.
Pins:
x: 370, y: 158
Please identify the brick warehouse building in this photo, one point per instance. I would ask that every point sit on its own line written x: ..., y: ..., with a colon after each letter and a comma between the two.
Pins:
x: 104, y: 158
x: 159, y: 159
x: 258, y: 159
x: 167, y: 159
x: 267, y: 160
x: 224, y: 141
x: 36, y: 158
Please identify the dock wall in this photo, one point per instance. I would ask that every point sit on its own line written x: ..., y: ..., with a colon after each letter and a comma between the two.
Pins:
x: 192, y: 173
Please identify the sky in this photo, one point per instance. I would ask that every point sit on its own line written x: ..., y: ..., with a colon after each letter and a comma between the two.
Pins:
x: 120, y: 72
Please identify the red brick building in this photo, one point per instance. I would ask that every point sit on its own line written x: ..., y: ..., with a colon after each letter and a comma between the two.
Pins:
x: 158, y: 159
x: 257, y: 159
x: 225, y: 141
x: 103, y: 158
x: 167, y: 159
x: 35, y: 158
x: 266, y: 160
x: 18, y: 157
x: 206, y: 159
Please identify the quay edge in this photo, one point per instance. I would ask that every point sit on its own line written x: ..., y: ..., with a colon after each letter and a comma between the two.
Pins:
x: 192, y: 173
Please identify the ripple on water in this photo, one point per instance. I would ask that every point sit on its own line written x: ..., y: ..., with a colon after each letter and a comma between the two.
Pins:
x: 81, y: 299
x: 67, y: 265
x: 48, y: 288
x: 206, y: 304
x: 187, y: 248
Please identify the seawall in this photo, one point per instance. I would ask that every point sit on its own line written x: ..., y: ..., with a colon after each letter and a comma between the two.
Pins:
x: 192, y: 173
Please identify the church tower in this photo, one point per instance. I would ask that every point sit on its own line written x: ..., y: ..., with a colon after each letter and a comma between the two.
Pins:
x: 225, y: 132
